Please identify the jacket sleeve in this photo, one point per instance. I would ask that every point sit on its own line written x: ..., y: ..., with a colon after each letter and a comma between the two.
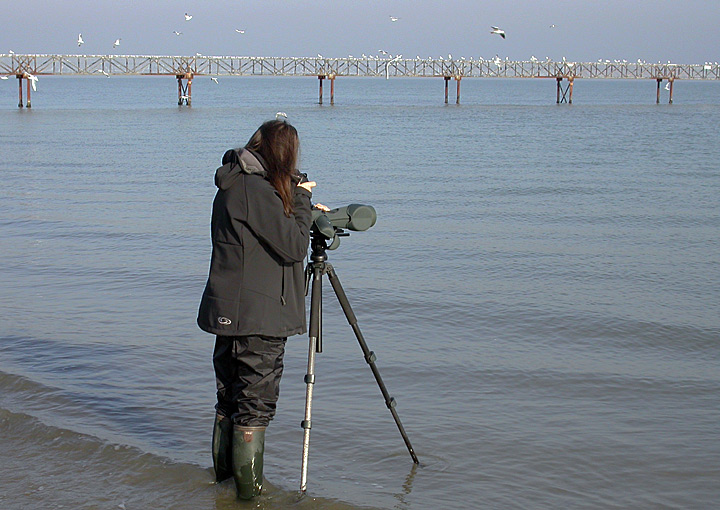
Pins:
x: 288, y: 237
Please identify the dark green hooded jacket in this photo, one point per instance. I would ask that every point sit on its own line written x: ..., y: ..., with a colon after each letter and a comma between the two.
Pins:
x: 256, y: 283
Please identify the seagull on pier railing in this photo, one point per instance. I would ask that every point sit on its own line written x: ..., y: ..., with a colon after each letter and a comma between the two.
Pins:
x: 496, y: 30
x: 188, y: 17
x: 80, y: 40
x: 116, y: 43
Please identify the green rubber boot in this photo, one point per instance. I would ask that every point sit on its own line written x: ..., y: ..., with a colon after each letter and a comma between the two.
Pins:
x: 222, y: 448
x: 248, y: 446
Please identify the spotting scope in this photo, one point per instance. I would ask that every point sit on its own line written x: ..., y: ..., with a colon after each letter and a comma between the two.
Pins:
x: 333, y: 223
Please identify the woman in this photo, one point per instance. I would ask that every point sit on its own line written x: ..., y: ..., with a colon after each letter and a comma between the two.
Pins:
x: 254, y: 297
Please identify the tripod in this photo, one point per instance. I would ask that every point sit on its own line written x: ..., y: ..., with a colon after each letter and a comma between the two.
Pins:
x: 316, y: 268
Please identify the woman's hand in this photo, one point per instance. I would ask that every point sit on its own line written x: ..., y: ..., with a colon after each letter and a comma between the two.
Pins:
x: 321, y: 207
x: 308, y: 185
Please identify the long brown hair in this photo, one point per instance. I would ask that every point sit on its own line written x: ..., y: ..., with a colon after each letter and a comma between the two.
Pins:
x: 277, y: 142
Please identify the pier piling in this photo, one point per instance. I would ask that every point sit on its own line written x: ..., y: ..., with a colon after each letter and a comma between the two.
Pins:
x: 672, y: 82
x: 657, y: 97
x: 564, y: 95
x: 332, y: 89
x: 320, y: 99
x: 457, y: 96
x: 20, y: 78
x: 447, y: 79
x: 184, y: 89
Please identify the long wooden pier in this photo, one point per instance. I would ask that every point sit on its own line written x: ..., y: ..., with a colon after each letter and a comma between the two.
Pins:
x: 184, y: 68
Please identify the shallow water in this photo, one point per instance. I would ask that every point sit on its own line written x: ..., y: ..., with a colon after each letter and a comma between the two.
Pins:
x: 541, y: 289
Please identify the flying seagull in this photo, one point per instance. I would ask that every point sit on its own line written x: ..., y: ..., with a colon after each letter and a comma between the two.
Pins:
x: 667, y: 86
x: 3, y: 77
x: 117, y: 42
x: 33, y: 80
x: 281, y: 116
x: 394, y: 19
x: 188, y: 17
x: 214, y: 79
x: 240, y: 31
x: 496, y: 30
x: 177, y: 33
x: 102, y: 71
x: 80, y: 40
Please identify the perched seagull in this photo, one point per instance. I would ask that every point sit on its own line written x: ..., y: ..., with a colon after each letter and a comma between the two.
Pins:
x: 393, y: 19
x: 320, y: 56
x: 116, y: 43
x: 213, y: 79
x: 188, y: 17
x: 496, y: 30
x: 80, y: 40
x: 177, y: 33
x: 33, y: 80
x: 240, y: 31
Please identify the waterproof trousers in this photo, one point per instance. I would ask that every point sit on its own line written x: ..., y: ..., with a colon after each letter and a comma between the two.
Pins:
x: 248, y: 371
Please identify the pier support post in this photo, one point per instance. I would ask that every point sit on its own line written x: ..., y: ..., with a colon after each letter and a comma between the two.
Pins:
x: 20, y: 78
x: 672, y: 82
x: 457, y: 96
x: 320, y: 99
x: 184, y: 90
x: 557, y: 98
x: 567, y: 92
x: 447, y: 79
x: 332, y: 89
x: 20, y: 84
x: 657, y: 97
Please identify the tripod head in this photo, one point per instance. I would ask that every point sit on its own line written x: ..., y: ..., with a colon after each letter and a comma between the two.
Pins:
x: 329, y: 226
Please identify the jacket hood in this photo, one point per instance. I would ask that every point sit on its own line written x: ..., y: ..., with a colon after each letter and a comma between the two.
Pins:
x: 236, y: 162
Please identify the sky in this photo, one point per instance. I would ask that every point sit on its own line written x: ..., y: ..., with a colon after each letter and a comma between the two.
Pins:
x: 652, y: 30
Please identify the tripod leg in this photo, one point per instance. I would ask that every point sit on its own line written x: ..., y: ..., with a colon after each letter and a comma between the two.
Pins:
x: 369, y: 356
x: 315, y: 332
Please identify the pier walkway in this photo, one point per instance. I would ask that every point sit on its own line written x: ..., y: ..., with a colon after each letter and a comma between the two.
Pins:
x: 184, y: 68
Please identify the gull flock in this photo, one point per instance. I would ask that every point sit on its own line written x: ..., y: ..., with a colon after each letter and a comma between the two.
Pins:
x: 494, y: 30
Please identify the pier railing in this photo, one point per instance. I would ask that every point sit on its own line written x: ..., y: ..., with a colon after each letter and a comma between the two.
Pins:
x: 16, y: 64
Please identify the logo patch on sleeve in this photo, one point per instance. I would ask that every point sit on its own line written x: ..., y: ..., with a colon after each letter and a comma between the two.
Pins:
x: 224, y: 321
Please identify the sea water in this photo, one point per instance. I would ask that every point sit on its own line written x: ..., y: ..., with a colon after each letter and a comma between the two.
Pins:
x: 541, y: 290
